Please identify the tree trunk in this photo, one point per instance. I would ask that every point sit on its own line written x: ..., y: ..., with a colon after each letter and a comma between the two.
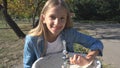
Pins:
x: 10, y: 21
x: 35, y: 23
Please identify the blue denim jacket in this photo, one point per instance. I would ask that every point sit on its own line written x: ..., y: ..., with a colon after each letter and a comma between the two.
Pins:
x: 34, y: 45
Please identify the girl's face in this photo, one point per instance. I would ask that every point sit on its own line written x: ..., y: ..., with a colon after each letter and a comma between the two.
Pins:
x: 55, y: 20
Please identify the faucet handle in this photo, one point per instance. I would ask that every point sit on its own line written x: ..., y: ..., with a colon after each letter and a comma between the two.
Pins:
x: 65, y: 52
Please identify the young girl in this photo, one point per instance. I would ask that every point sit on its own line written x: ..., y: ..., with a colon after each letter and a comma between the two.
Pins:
x: 55, y: 26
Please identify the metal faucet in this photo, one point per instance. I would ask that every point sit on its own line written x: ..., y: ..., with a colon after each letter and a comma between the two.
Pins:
x: 65, y: 56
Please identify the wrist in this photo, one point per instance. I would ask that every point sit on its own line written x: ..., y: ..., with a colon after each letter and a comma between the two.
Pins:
x: 90, y: 57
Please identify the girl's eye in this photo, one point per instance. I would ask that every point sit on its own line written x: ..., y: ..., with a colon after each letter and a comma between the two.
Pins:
x: 62, y: 18
x: 52, y: 17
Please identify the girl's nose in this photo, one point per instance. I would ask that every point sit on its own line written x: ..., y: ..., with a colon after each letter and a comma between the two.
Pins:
x: 57, y: 21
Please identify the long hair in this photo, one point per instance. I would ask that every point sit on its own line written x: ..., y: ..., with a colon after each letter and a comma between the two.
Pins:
x: 40, y: 29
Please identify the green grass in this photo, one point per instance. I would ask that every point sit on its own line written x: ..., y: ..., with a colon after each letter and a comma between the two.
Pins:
x: 80, y: 48
x: 107, y: 66
x: 11, y: 47
x: 7, y: 35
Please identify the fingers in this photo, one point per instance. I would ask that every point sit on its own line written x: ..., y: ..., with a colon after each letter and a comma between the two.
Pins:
x: 78, y: 60
x: 75, y: 59
x: 71, y: 60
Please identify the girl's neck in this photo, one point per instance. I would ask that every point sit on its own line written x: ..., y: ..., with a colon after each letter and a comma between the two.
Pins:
x: 51, y: 38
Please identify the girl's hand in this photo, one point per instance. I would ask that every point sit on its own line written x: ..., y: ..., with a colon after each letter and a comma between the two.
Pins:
x: 79, y: 60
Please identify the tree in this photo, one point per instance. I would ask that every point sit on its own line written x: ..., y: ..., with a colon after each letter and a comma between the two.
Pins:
x: 96, y: 9
x: 10, y: 22
x: 38, y: 3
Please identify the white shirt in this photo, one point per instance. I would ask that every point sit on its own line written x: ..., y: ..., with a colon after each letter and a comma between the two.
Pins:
x: 54, y: 47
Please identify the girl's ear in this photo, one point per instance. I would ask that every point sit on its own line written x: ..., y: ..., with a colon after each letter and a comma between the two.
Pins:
x: 42, y: 18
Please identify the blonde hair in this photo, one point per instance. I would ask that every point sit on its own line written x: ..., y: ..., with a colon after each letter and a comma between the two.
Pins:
x: 40, y: 29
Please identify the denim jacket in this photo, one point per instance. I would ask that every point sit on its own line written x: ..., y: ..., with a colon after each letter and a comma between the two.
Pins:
x: 34, y: 45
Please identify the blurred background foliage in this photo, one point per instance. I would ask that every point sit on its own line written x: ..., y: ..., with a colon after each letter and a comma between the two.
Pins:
x: 108, y: 10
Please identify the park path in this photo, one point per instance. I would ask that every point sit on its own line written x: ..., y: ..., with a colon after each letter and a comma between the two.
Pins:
x: 111, y: 53
x: 109, y: 34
